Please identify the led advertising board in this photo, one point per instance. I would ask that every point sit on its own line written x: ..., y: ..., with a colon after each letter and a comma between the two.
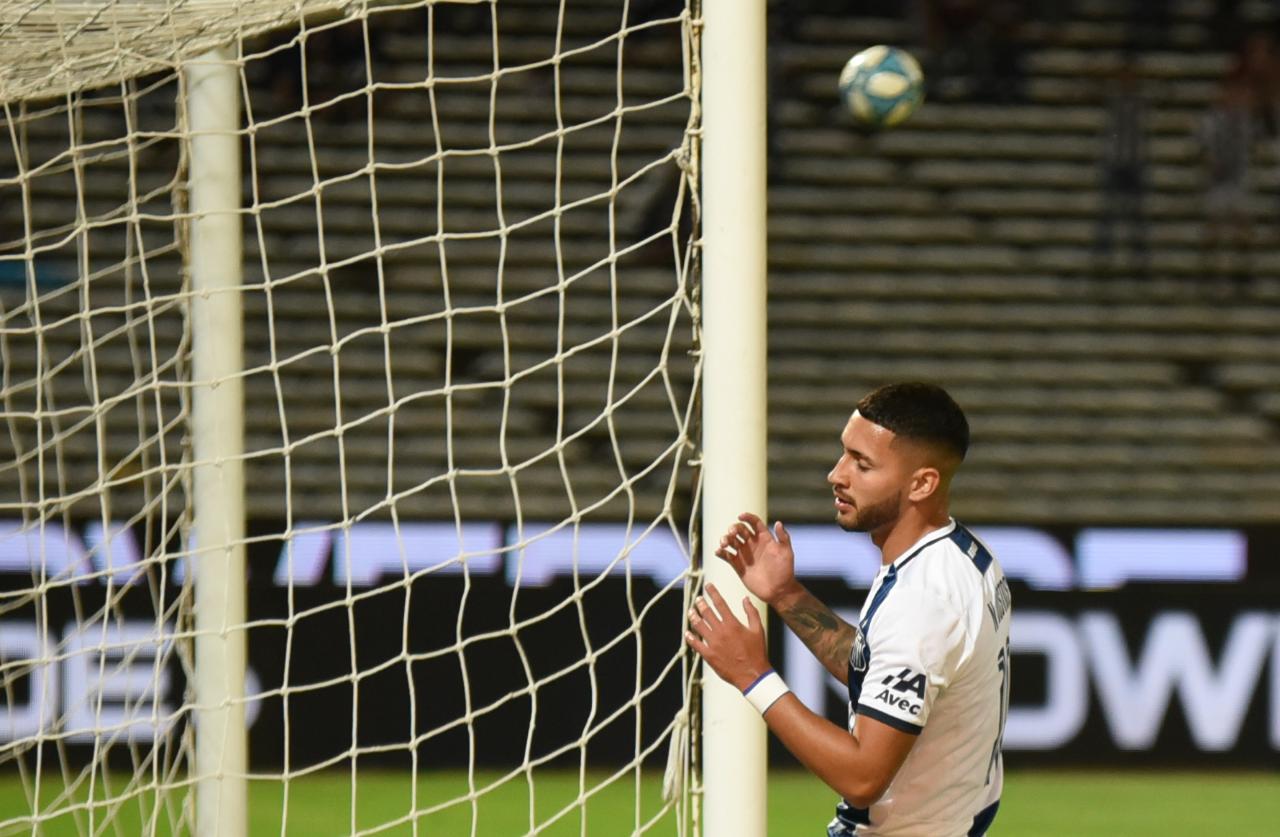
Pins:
x: 1130, y: 645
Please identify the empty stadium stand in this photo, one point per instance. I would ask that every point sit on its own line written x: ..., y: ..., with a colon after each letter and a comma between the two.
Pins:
x: 958, y: 249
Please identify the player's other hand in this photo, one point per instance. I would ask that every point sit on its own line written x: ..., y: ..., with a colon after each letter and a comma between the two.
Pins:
x: 734, y: 651
x: 763, y: 559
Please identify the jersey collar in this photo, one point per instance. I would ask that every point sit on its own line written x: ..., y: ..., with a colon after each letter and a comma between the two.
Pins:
x: 928, y: 538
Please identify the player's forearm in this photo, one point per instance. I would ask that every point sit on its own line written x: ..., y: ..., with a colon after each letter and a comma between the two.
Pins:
x: 826, y: 635
x: 830, y: 752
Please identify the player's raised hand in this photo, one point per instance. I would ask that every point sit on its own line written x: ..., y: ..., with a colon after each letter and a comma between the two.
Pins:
x: 763, y: 559
x: 734, y: 651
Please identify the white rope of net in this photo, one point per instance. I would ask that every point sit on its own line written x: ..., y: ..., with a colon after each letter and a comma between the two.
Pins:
x: 619, y: 331
x: 53, y: 47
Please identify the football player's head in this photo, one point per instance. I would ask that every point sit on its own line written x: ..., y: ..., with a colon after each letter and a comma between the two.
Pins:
x: 900, y: 449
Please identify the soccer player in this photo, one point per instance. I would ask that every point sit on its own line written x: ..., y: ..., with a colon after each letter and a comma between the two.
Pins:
x: 927, y: 664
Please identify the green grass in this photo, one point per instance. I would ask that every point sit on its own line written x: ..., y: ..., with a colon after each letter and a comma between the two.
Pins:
x: 1136, y: 804
x: 1039, y: 803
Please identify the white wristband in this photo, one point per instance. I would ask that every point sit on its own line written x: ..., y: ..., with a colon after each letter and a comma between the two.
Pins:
x: 765, y: 691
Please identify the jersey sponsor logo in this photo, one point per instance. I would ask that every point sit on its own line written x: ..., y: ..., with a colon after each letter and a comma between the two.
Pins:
x: 907, y: 681
x: 899, y: 686
x: 897, y: 701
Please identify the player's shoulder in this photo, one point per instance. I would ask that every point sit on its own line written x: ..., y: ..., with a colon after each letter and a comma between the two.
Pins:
x: 944, y: 584
x: 952, y: 548
x: 950, y: 564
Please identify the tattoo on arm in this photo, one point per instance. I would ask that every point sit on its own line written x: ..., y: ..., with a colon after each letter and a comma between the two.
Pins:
x: 829, y: 637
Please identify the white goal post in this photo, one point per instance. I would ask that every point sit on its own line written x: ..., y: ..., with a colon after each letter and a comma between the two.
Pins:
x: 210, y: 83
x: 734, y: 376
x: 371, y: 373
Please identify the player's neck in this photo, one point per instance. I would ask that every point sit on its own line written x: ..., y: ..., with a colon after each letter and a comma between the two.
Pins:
x: 913, y: 525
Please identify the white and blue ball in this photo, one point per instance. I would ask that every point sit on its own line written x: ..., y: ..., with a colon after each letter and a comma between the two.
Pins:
x: 882, y: 86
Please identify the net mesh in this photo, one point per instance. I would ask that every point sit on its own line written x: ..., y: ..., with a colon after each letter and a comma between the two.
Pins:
x: 470, y: 385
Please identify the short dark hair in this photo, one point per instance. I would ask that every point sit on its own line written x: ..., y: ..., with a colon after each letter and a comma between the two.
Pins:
x: 918, y: 411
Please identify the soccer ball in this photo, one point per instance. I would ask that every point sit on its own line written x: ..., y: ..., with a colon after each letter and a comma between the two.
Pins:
x: 882, y: 86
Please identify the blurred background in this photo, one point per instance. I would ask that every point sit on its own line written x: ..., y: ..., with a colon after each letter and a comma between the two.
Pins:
x: 1077, y: 236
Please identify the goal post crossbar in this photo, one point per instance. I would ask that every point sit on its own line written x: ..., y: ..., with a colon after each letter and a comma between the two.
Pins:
x: 53, y: 49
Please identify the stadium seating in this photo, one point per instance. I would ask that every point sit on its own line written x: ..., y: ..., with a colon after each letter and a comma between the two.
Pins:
x: 959, y: 249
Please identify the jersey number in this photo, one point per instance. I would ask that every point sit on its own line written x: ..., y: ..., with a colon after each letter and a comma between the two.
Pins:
x: 1002, y: 663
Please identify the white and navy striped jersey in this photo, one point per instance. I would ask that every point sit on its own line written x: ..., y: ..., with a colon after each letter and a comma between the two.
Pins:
x: 931, y: 658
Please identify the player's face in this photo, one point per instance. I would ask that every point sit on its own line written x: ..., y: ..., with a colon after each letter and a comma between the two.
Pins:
x: 868, y: 481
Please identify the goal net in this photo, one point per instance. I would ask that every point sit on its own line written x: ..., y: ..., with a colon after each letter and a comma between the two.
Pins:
x: 460, y: 416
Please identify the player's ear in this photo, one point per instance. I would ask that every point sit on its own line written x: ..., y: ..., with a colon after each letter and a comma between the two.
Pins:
x: 925, y: 482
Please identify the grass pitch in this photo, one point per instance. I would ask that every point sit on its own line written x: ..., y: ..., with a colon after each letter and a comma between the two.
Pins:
x: 1038, y: 803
